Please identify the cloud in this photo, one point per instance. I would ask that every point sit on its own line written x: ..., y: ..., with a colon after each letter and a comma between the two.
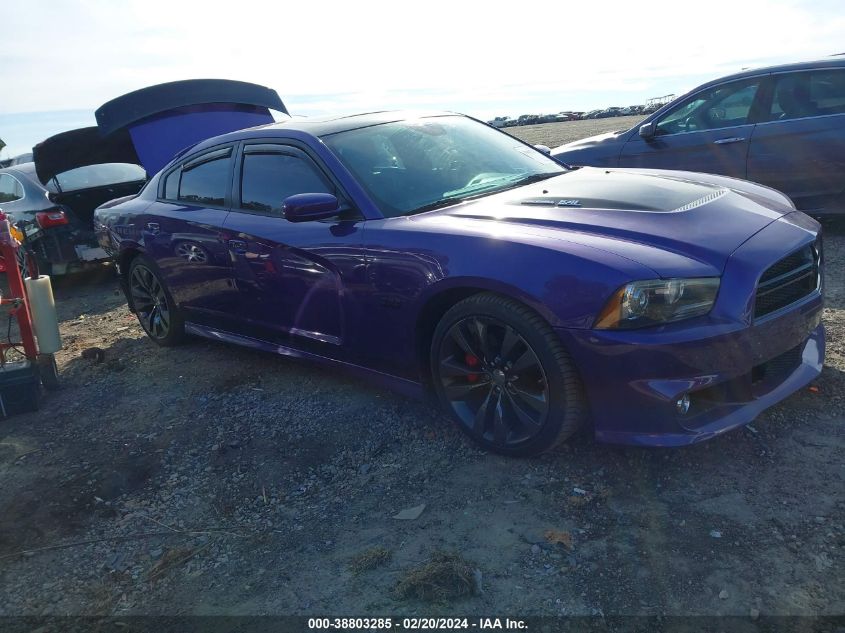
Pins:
x: 330, y: 56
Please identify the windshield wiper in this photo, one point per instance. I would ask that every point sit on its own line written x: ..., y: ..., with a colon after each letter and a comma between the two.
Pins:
x: 437, y: 204
x: 447, y: 202
x: 530, y: 180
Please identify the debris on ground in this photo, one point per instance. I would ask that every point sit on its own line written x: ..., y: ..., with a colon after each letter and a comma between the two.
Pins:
x: 369, y: 559
x: 96, y: 354
x: 560, y: 536
x: 172, y: 558
x: 446, y: 576
x: 410, y: 514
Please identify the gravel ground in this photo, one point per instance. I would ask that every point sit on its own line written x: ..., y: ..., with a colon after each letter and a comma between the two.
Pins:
x: 210, y: 479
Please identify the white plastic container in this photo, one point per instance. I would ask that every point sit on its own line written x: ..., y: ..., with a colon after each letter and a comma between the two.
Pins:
x: 42, y: 307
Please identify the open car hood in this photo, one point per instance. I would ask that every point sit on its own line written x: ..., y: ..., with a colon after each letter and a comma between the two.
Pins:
x: 149, y: 126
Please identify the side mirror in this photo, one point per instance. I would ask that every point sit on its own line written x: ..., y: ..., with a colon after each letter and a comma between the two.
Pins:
x: 307, y: 207
x: 545, y: 149
x: 648, y: 130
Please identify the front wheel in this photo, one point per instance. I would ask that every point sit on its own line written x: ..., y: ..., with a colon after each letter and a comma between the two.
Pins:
x: 153, y: 305
x: 501, y: 371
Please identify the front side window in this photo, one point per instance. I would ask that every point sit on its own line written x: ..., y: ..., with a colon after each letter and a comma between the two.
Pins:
x: 10, y: 188
x: 204, y: 180
x: 268, y: 177
x: 722, y: 106
x: 418, y: 164
x: 805, y: 94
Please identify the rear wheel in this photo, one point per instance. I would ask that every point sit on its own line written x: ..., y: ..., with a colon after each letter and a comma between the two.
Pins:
x: 503, y: 374
x: 153, y: 304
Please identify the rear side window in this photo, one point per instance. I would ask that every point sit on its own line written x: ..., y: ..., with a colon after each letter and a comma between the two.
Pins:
x: 204, y: 180
x: 171, y: 185
x: 806, y: 94
x: 269, y: 177
x: 10, y: 189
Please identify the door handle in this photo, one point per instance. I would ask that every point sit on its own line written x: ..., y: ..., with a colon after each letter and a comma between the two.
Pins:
x: 239, y: 246
x: 727, y: 141
x: 153, y: 227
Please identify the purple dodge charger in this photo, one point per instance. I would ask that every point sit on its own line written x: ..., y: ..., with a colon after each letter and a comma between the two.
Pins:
x: 438, y: 255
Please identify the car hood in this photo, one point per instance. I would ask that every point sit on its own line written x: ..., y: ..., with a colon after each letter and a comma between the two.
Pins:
x: 666, y: 220
x: 608, y: 138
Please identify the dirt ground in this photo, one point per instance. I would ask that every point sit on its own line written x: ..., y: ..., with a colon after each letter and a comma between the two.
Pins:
x: 211, y: 479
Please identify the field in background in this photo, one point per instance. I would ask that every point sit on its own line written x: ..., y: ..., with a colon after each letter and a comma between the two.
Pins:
x: 554, y: 134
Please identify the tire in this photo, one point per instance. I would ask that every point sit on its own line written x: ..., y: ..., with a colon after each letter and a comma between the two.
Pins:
x: 153, y: 304
x: 502, y: 373
x: 48, y: 371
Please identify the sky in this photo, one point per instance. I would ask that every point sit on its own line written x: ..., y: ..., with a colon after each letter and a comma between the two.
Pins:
x: 61, y: 59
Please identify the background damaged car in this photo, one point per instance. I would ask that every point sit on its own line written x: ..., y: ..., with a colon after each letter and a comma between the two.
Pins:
x: 51, y: 201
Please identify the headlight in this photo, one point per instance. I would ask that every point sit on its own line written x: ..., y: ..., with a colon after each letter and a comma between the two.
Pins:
x: 656, y: 301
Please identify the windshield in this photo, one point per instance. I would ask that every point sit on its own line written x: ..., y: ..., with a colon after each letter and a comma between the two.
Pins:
x: 420, y: 164
x: 98, y: 176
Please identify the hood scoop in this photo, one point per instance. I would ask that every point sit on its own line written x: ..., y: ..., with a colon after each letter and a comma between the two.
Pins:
x: 620, y: 191
x: 585, y: 203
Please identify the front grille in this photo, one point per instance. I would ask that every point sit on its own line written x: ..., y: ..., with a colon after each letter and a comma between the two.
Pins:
x: 788, y: 280
x: 779, y: 367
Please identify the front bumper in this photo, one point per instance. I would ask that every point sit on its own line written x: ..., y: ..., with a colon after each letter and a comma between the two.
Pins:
x: 731, y: 372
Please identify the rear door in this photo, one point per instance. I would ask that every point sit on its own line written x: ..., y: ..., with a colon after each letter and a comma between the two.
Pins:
x: 708, y: 132
x: 183, y: 233
x: 800, y: 149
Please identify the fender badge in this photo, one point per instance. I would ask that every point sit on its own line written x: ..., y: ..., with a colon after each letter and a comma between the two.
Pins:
x: 569, y: 203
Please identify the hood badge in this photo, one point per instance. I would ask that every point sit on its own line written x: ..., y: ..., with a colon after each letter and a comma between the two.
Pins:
x: 551, y: 202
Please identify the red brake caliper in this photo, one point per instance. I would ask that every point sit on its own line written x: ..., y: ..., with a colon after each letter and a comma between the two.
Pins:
x: 472, y: 361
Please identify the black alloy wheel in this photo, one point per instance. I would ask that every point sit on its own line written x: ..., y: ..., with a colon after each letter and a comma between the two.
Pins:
x: 153, y: 304
x: 502, y: 372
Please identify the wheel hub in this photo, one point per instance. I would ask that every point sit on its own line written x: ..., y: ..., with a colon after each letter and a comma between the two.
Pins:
x: 494, y: 381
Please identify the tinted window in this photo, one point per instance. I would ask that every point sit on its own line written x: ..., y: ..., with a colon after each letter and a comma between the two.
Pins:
x: 270, y: 178
x: 817, y: 93
x: 99, y: 176
x: 10, y: 189
x: 205, y: 182
x: 171, y: 185
x: 721, y: 106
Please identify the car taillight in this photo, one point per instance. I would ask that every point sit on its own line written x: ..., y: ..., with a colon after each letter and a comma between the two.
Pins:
x: 53, y: 217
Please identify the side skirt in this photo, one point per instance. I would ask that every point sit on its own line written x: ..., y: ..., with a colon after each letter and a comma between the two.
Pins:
x: 401, y: 385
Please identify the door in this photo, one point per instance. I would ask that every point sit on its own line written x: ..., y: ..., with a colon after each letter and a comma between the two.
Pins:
x: 183, y: 233
x: 291, y: 277
x: 800, y: 150
x: 708, y: 132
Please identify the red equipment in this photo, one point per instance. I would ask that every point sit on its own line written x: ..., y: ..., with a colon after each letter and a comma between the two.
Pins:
x: 19, y: 381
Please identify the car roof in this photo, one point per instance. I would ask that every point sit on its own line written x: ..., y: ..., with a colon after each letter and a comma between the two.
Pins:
x: 834, y: 62
x: 324, y: 126
x: 21, y: 169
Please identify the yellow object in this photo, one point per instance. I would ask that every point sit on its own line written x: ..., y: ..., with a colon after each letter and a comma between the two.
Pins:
x: 45, y: 322
x: 16, y: 233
